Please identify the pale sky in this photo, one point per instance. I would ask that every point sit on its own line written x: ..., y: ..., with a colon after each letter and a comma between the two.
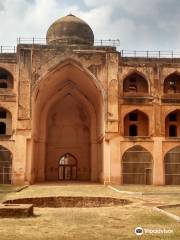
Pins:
x: 139, y: 24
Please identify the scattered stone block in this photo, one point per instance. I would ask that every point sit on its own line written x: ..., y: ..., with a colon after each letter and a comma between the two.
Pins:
x: 16, y: 210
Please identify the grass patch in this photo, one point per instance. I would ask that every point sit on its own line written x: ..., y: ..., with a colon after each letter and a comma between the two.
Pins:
x: 8, y: 187
x: 40, y: 190
x: 148, y: 188
x: 151, y: 217
x: 110, y: 223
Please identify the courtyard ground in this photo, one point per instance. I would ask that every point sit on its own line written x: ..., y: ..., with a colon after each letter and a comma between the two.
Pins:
x: 107, y: 223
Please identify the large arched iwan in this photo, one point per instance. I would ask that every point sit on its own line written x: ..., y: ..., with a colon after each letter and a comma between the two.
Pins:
x: 67, y: 118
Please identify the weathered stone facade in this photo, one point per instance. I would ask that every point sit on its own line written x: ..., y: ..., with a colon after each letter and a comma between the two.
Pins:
x: 92, y: 105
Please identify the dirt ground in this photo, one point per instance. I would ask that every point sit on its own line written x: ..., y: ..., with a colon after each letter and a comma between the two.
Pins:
x: 110, y: 223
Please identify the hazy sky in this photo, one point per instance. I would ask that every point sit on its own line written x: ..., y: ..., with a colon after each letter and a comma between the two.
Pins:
x: 139, y: 24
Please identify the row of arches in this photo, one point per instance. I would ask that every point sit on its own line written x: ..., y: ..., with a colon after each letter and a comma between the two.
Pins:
x: 137, y: 83
x: 136, y: 123
x: 137, y: 166
x: 134, y: 82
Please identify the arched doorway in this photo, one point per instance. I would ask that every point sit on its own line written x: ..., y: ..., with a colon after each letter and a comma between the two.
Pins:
x: 6, y: 79
x: 67, y: 167
x: 68, y: 130
x: 5, y: 166
x: 172, y: 167
x: 67, y: 118
x: 172, y: 84
x: 136, y: 124
x: 135, y: 83
x: 172, y: 127
x: 137, y: 166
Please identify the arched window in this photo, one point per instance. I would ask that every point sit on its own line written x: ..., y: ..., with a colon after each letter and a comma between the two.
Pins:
x: 136, y: 123
x: 6, y: 79
x: 172, y: 131
x: 135, y: 83
x: 137, y: 166
x: 172, y: 84
x: 67, y: 159
x: 133, y: 132
x: 172, y: 124
x: 172, y: 167
x: 2, y: 128
x: 67, y: 167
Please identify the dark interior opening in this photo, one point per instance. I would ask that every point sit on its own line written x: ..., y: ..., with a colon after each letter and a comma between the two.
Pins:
x: 172, y: 117
x: 3, y: 85
x: 172, y: 131
x: 3, y: 75
x: 133, y: 130
x: 2, y: 128
x: 133, y: 116
x: 2, y: 113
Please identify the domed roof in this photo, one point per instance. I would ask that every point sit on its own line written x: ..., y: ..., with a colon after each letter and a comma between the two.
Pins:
x: 70, y: 30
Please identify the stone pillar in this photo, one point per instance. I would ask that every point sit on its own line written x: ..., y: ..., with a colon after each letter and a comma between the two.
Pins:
x: 115, y: 160
x: 94, y: 164
x: 24, y: 102
x: 158, y: 170
x: 39, y: 159
x: 112, y: 94
x: 29, y: 154
x: 19, y: 160
x: 106, y: 162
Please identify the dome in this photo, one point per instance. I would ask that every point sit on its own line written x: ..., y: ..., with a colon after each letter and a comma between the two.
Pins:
x: 70, y: 30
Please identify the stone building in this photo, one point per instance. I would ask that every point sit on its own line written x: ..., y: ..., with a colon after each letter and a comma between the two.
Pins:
x: 70, y: 110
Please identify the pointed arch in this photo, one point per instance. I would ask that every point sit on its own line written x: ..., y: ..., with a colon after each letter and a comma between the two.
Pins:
x: 172, y: 83
x: 136, y: 123
x: 5, y: 121
x: 172, y: 124
x: 137, y: 164
x: 68, y: 164
x: 135, y: 82
x: 6, y: 78
x: 5, y: 165
x: 71, y: 91
x: 172, y: 166
x: 70, y: 62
